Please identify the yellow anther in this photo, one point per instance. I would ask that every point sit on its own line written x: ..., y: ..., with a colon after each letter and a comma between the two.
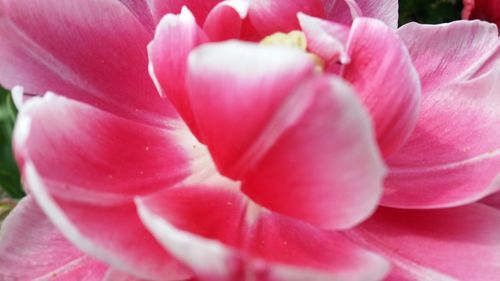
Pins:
x: 294, y: 39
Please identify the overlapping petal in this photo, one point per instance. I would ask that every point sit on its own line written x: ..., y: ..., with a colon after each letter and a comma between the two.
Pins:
x: 225, y: 21
x: 57, y: 45
x: 107, y: 160
x: 223, y: 236
x: 344, y: 11
x: 325, y: 167
x: 488, y: 10
x: 31, y: 248
x: 200, y: 9
x: 452, y: 157
x: 447, y: 244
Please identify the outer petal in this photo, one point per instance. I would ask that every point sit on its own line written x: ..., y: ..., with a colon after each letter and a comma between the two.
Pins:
x: 343, y: 11
x: 488, y: 10
x: 451, y: 52
x: 142, y: 10
x: 92, y: 51
x: 449, y: 244
x: 325, y: 168
x: 176, y: 36
x: 88, y: 154
x: 382, y: 73
x: 199, y: 8
x: 222, y: 236
x: 110, y: 232
x: 32, y: 248
x: 453, y: 156
x: 270, y: 16
x: 235, y: 89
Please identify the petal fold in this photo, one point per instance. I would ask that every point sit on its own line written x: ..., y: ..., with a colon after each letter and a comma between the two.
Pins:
x: 222, y: 236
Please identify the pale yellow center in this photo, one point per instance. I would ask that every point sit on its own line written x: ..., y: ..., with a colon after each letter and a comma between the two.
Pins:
x: 294, y: 39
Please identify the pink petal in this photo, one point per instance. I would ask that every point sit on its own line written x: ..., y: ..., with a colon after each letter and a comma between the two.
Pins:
x: 199, y: 8
x: 110, y: 232
x: 270, y: 16
x: 453, y: 156
x: 222, y: 236
x: 488, y: 10
x: 225, y: 20
x: 325, y: 168
x: 235, y: 89
x: 88, y: 154
x: 344, y: 11
x: 325, y: 39
x: 448, y: 244
x: 92, y: 51
x: 176, y: 36
x: 142, y: 10
x: 493, y: 200
x: 32, y: 248
x: 452, y: 52
x: 382, y: 73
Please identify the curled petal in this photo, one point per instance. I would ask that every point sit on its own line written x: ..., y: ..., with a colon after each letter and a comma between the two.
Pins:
x: 345, y: 11
x: 225, y: 20
x: 325, y: 167
x: 199, y: 8
x: 383, y: 74
x: 222, y: 236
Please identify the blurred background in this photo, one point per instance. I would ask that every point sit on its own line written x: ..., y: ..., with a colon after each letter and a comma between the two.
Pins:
x: 422, y: 11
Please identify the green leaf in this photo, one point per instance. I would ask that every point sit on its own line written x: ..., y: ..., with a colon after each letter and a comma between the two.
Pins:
x: 10, y: 180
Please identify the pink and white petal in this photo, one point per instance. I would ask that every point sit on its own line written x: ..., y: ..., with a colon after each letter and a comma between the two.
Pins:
x: 176, y: 36
x: 90, y: 154
x: 142, y: 10
x: 110, y: 232
x: 225, y: 20
x: 97, y: 56
x: 199, y: 8
x: 326, y: 39
x: 383, y: 74
x: 325, y: 168
x: 235, y: 89
x: 345, y: 11
x: 223, y: 236
x: 453, y: 155
x: 446, y: 244
x: 270, y: 16
x: 488, y: 10
x: 451, y: 52
x: 31, y: 247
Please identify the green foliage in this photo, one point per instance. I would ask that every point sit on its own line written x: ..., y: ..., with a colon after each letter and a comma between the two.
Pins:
x: 429, y: 11
x: 9, y: 173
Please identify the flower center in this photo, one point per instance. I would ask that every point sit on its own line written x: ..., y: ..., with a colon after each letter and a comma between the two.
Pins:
x: 294, y: 39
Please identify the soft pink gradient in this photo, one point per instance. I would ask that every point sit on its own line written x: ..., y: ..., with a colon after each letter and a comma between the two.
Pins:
x: 167, y: 152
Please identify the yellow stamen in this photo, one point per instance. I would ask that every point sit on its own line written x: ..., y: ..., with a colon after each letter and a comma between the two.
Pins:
x: 294, y: 39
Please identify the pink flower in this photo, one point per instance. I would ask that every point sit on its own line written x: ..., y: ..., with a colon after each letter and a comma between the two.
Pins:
x: 488, y: 10
x: 258, y: 161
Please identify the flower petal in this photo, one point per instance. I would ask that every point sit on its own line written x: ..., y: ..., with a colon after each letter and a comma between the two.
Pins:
x: 142, y: 10
x: 342, y: 11
x: 88, y: 154
x: 222, y: 236
x: 382, y: 73
x: 325, y: 168
x: 176, y: 36
x: 270, y: 16
x: 31, y: 248
x: 199, y: 8
x: 453, y: 155
x: 235, y: 88
x: 109, y: 232
x: 97, y: 55
x: 451, y: 52
x: 447, y: 244
x: 225, y: 20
